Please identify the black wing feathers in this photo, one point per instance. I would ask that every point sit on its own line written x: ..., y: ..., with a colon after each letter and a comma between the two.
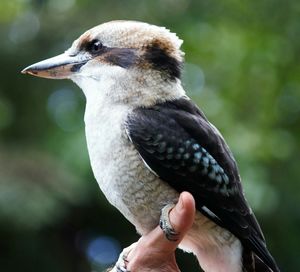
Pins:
x: 179, y: 144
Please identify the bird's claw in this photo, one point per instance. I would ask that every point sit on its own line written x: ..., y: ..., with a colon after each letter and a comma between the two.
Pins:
x: 166, y: 225
x: 122, y: 269
x: 121, y: 265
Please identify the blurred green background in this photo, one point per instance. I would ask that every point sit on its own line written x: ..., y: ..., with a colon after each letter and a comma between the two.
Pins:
x: 242, y: 68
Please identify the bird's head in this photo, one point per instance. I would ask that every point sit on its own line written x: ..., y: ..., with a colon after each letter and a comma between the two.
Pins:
x: 122, y: 60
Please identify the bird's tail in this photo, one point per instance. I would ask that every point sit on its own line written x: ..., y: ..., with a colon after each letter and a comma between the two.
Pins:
x: 251, y: 263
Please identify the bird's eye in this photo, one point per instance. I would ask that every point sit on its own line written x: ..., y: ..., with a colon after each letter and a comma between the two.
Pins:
x: 95, y: 46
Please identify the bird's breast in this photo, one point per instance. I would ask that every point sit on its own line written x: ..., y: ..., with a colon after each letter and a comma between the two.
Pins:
x: 120, y: 172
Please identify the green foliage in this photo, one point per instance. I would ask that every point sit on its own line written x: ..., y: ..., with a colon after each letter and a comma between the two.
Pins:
x: 242, y: 68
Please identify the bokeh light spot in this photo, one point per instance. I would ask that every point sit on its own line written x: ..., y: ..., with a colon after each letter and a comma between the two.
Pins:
x: 61, y: 6
x: 103, y: 250
x: 24, y: 28
x: 64, y: 107
x: 193, y: 78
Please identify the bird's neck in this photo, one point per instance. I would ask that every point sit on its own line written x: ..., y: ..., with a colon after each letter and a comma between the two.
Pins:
x: 131, y: 91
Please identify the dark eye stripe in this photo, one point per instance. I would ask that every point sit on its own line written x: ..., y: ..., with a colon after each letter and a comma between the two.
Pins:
x: 162, y: 61
x: 123, y: 57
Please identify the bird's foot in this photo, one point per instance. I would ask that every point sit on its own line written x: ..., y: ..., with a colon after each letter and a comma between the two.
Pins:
x: 121, y: 264
x: 166, y: 225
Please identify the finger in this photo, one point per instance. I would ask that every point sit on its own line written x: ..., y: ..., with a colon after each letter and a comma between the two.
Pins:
x: 181, y: 218
x: 183, y: 214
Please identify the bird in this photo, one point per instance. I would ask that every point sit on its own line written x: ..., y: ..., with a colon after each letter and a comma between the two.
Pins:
x: 148, y: 142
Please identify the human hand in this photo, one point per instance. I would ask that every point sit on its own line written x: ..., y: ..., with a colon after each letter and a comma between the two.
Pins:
x: 154, y: 252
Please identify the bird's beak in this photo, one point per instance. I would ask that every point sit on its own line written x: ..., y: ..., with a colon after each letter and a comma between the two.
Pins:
x: 59, y: 67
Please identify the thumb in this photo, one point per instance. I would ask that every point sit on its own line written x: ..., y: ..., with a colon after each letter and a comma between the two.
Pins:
x: 154, y: 250
x: 183, y: 214
x: 181, y: 217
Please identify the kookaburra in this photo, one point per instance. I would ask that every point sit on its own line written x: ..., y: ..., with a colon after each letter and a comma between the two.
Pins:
x: 148, y: 142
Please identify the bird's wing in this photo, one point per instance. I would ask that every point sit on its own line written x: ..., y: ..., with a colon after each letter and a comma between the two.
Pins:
x: 179, y: 144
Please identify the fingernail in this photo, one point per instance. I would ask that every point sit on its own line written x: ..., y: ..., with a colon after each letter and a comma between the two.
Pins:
x: 180, y: 205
